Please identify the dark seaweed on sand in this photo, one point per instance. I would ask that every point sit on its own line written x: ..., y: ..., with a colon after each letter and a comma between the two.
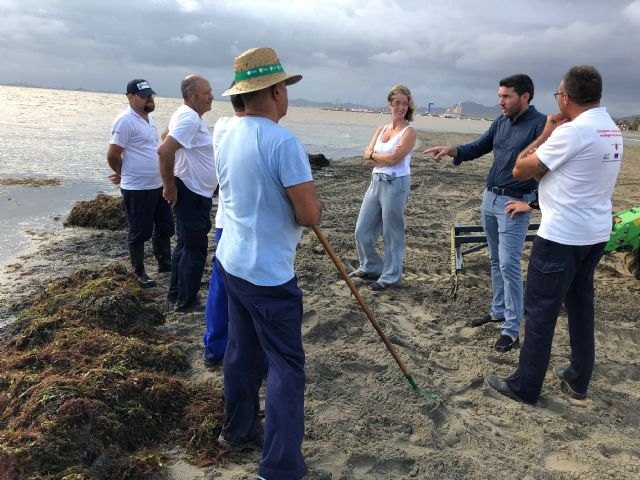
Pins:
x: 103, y: 212
x: 89, y: 388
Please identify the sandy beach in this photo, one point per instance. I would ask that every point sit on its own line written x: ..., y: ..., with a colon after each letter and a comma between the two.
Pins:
x: 363, y: 420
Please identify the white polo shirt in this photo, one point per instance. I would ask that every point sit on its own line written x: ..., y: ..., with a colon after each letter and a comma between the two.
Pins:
x: 583, y: 157
x: 194, y: 163
x: 139, y: 139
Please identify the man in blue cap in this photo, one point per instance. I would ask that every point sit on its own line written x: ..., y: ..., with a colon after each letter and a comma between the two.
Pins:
x: 132, y: 157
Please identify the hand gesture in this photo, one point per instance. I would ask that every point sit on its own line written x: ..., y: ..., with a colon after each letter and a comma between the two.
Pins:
x: 438, y: 152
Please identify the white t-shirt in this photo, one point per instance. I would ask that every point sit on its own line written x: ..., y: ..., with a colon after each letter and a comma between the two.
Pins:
x: 257, y: 161
x: 194, y: 161
x: 400, y: 169
x: 220, y: 129
x: 584, y: 158
x: 139, y: 139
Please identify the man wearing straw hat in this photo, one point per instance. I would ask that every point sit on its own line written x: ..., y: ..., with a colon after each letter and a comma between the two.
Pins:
x: 269, y: 195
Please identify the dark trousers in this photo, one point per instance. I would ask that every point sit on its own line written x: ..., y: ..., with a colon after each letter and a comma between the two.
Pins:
x: 557, y: 273
x: 147, y: 214
x: 216, y: 314
x: 266, y: 322
x: 193, y: 223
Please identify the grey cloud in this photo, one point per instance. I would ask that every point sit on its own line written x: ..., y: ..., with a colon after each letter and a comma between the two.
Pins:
x: 445, y: 51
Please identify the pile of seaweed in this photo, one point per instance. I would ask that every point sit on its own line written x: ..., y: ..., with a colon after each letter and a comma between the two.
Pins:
x: 103, y: 212
x: 89, y: 389
x: 31, y: 182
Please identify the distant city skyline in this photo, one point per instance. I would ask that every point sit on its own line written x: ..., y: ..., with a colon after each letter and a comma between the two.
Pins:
x: 354, y: 50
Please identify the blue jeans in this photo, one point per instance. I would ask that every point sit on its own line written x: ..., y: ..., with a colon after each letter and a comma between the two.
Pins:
x: 557, y: 273
x: 265, y: 323
x: 216, y: 313
x: 505, y: 237
x: 382, y: 211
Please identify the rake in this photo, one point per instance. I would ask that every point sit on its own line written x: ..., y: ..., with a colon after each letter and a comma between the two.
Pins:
x: 369, y: 314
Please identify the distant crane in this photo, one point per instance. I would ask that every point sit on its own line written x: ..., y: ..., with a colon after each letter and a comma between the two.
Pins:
x: 429, y: 107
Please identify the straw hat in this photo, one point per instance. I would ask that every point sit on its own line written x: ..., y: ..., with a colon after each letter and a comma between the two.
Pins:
x: 256, y: 69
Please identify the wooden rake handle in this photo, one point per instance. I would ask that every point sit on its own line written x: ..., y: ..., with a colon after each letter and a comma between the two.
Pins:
x: 363, y: 305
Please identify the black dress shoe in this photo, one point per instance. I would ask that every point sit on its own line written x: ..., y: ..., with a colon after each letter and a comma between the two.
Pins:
x: 144, y: 281
x: 500, y: 385
x: 482, y: 320
x: 559, y: 372
x: 255, y: 444
x: 189, y: 306
x: 506, y: 343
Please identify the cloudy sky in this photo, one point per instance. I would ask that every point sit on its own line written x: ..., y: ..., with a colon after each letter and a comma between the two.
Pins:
x: 348, y: 50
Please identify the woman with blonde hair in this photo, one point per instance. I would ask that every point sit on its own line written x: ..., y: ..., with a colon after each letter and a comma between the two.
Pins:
x: 382, y: 210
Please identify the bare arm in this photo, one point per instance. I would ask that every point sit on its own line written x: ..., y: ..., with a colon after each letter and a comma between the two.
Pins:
x: 372, y: 144
x: 440, y: 151
x: 528, y: 165
x: 114, y: 159
x: 166, y: 160
x: 407, y: 143
x: 306, y: 205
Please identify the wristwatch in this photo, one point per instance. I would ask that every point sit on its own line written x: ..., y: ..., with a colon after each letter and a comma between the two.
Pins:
x: 371, y: 156
x: 534, y: 205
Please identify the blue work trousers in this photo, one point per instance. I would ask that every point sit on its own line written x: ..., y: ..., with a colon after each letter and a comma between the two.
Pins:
x: 216, y: 313
x: 557, y: 273
x: 193, y: 223
x: 505, y: 238
x: 147, y: 214
x: 266, y: 323
x: 382, y: 212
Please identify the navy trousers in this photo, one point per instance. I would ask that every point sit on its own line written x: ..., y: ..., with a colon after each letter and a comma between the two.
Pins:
x: 266, y: 323
x: 193, y: 223
x: 216, y: 314
x: 147, y: 214
x: 557, y: 273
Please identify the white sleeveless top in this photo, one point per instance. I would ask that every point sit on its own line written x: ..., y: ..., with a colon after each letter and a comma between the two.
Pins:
x: 400, y: 169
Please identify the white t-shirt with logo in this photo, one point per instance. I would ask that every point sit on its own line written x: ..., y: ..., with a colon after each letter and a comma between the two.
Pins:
x: 194, y: 163
x: 583, y: 157
x: 220, y: 129
x: 139, y: 139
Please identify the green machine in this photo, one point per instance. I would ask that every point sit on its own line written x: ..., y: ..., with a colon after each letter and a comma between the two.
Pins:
x: 625, y: 236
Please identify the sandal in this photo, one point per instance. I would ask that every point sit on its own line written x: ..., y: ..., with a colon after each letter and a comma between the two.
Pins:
x: 362, y: 275
x: 377, y: 287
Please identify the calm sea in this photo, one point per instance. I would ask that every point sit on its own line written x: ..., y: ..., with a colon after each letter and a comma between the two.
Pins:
x: 65, y: 134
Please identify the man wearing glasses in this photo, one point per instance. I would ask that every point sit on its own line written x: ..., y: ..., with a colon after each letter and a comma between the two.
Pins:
x: 132, y: 157
x: 505, y: 229
x: 576, y: 159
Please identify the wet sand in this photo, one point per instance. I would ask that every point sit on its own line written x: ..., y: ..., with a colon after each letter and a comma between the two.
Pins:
x: 363, y: 421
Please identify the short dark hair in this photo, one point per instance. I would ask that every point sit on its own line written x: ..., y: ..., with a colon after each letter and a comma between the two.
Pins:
x: 520, y: 82
x: 236, y: 100
x: 583, y: 84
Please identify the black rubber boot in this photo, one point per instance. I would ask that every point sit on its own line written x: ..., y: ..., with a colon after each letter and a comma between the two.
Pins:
x: 136, y: 253
x: 162, y: 252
